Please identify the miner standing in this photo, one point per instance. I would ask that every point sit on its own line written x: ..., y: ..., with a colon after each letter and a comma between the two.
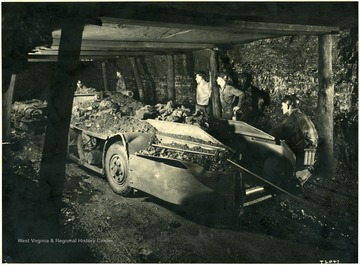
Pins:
x: 120, y: 84
x: 203, y: 93
x: 231, y: 99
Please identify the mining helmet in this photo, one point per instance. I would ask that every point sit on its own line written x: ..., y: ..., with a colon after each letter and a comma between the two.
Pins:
x: 223, y: 76
x: 291, y: 100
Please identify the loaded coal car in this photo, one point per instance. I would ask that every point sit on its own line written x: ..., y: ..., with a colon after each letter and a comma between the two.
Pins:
x: 178, y: 163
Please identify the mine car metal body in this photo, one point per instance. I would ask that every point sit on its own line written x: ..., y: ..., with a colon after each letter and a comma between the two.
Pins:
x: 119, y: 158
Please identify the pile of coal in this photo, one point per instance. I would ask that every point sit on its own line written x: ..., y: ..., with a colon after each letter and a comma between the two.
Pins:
x: 110, y: 122
x: 114, y: 112
x: 127, y: 105
x: 108, y: 114
x: 111, y: 106
x: 146, y: 112
x: 29, y: 115
x: 168, y: 112
x: 211, y: 159
x: 82, y: 89
x: 208, y: 162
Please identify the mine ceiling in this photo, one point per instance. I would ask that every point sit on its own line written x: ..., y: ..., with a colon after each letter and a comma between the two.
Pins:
x: 159, y: 28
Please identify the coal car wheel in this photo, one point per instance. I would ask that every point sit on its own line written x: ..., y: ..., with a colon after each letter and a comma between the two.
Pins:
x: 116, y: 168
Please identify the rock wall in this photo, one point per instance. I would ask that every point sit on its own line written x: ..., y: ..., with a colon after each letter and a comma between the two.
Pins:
x: 288, y: 65
x: 34, y: 81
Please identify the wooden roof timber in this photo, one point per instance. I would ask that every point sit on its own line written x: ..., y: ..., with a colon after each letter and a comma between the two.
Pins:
x: 271, y: 11
x: 234, y: 26
x: 143, y: 45
x: 156, y: 37
x: 155, y: 34
x: 100, y: 57
x: 109, y: 53
x: 219, y: 13
x: 122, y: 49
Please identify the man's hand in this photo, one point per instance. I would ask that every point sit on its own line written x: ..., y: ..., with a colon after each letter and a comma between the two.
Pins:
x: 236, y: 108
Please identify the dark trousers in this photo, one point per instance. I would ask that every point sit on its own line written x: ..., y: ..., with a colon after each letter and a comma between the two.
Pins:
x: 204, y: 108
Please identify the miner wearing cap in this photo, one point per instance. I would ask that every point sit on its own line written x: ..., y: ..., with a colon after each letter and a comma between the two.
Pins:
x: 256, y: 99
x: 300, y: 135
x: 228, y: 96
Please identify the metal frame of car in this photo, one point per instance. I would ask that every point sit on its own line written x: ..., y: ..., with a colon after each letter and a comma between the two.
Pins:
x: 176, y: 181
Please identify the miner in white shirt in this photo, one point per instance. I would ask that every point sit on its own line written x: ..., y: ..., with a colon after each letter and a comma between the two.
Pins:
x: 203, y: 93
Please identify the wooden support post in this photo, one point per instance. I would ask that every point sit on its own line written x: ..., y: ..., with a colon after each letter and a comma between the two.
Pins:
x: 215, y: 95
x: 326, y: 106
x: 52, y: 168
x: 138, y: 80
x: 7, y: 107
x: 105, y: 77
x: 189, y: 64
x: 150, y: 88
x: 171, y: 78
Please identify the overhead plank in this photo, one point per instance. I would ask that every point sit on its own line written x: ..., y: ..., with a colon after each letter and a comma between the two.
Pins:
x: 313, y: 13
x: 222, y: 25
x: 145, y: 33
x: 119, y: 45
x: 90, y: 58
x: 106, y: 53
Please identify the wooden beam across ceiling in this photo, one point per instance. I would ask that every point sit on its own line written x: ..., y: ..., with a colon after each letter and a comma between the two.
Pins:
x: 234, y: 26
x: 174, y: 36
x: 99, y: 57
x: 107, y: 53
x: 217, y: 13
x: 335, y: 13
x: 88, y: 44
x: 160, y: 33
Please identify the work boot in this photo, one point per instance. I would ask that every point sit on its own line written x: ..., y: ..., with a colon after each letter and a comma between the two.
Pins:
x: 303, y: 176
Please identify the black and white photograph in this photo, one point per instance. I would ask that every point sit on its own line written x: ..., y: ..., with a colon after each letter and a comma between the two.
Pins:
x: 180, y: 132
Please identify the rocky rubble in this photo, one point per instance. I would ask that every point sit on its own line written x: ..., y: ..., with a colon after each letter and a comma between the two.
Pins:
x: 210, y: 160
x: 113, y: 112
x: 167, y: 112
x: 116, y: 113
x: 29, y: 115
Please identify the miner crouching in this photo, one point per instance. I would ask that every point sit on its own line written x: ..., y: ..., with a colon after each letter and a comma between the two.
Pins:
x: 300, y: 134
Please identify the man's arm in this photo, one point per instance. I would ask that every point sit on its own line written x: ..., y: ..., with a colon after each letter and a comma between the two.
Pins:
x: 311, y: 134
x: 209, y: 89
x: 240, y: 94
x: 286, y: 129
x: 279, y: 131
x: 241, y: 99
